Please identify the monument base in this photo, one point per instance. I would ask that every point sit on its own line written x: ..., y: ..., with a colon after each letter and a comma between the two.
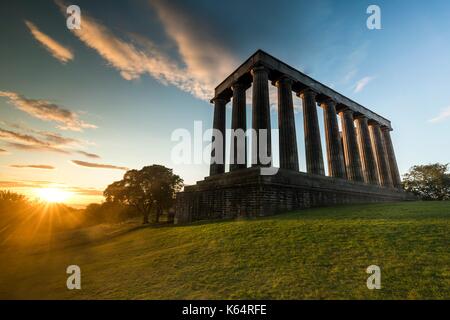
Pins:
x: 246, y: 193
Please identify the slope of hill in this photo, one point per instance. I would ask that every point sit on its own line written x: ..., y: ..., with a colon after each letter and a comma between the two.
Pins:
x: 312, y: 254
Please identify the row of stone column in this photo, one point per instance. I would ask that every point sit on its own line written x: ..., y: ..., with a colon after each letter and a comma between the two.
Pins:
x: 365, y: 153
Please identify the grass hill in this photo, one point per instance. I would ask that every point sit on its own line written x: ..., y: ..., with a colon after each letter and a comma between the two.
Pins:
x: 311, y: 254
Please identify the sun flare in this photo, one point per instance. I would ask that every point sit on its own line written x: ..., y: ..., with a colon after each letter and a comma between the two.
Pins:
x: 53, y: 195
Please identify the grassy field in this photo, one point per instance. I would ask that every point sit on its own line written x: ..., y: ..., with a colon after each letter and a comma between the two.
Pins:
x: 312, y: 254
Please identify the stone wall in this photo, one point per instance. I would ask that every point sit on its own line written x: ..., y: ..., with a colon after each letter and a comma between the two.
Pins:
x: 248, y: 193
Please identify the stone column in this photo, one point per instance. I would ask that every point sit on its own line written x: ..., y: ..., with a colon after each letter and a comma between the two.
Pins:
x: 384, y: 175
x: 341, y: 139
x: 313, y: 144
x: 286, y: 125
x: 334, y: 151
x: 350, y: 143
x: 239, y: 125
x: 368, y: 163
x: 389, y: 147
x: 218, y: 166
x: 261, y: 117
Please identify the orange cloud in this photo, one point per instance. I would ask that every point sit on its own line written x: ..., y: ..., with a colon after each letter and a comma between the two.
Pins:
x: 27, y: 142
x: 86, y: 191
x: 57, y: 50
x: 47, y: 111
x: 205, y: 61
x: 8, y: 134
x: 97, y: 165
x: 30, y: 147
x: 206, y: 58
x: 87, y: 154
x: 33, y: 166
x: 41, y: 141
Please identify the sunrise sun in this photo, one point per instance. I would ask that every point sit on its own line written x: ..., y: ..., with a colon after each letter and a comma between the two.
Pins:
x: 53, y: 195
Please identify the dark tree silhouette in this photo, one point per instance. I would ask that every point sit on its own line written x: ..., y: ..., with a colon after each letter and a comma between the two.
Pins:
x: 150, y: 189
x: 429, y: 182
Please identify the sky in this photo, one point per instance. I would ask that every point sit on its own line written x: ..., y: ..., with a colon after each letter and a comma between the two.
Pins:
x: 80, y: 107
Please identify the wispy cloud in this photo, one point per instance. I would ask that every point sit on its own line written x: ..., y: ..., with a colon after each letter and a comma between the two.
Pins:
x: 362, y: 83
x: 350, y: 64
x: 57, y: 139
x: 205, y: 56
x: 97, y: 165
x: 87, y: 154
x: 86, y: 191
x: 32, y: 147
x: 34, y: 140
x: 16, y: 136
x: 350, y: 75
x: 443, y: 115
x: 57, y: 50
x: 3, y: 151
x: 33, y: 166
x: 24, y: 184
x: 204, y: 64
x: 47, y: 111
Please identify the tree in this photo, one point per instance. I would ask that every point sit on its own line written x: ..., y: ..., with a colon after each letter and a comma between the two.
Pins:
x: 150, y: 189
x: 429, y: 182
x: 12, y: 197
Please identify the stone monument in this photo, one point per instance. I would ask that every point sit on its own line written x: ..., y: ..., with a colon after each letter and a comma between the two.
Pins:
x: 361, y: 161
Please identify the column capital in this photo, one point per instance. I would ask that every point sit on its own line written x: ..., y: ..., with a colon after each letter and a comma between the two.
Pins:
x: 384, y: 128
x: 373, y: 123
x: 240, y: 85
x: 302, y: 92
x: 284, y: 79
x: 327, y: 100
x: 346, y: 110
x: 219, y: 100
x: 360, y: 116
x: 259, y: 68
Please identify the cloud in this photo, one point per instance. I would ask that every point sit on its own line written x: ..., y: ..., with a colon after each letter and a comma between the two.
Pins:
x: 57, y: 139
x: 41, y: 141
x: 52, y: 138
x: 57, y: 50
x: 34, y: 166
x: 86, y: 191
x: 27, y: 142
x: 350, y: 75
x: 29, y: 147
x: 206, y: 58
x: 362, y: 83
x: 12, y: 135
x: 3, y: 151
x: 47, y: 111
x: 87, y: 154
x: 351, y: 62
x: 23, y: 184
x: 97, y: 165
x: 204, y: 64
x: 444, y: 114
